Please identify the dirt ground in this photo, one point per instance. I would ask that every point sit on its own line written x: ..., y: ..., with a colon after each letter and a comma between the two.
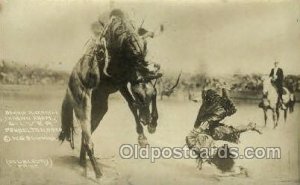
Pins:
x: 117, y: 128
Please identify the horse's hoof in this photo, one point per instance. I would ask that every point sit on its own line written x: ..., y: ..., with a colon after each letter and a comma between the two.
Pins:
x: 143, y: 143
x: 142, y: 140
x: 98, y: 176
x: 243, y: 171
x: 98, y: 173
x: 85, y: 172
x: 199, y: 166
x: 151, y: 130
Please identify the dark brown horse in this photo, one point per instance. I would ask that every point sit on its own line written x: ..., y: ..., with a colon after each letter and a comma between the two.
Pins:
x: 87, y: 95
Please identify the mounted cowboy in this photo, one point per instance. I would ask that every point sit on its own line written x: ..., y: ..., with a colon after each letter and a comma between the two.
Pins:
x: 124, y: 43
x: 277, y: 78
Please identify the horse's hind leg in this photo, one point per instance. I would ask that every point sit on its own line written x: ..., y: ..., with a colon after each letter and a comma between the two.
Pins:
x: 99, y: 107
x: 98, y: 110
x: 199, y: 163
x: 275, y: 118
x: 277, y: 113
x: 82, y: 159
x: 266, y: 117
x: 291, y: 108
x: 285, y: 115
x: 89, y: 148
x: 83, y: 114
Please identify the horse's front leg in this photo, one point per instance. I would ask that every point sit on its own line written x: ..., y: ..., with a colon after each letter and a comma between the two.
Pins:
x: 275, y: 120
x: 266, y: 117
x: 199, y: 163
x: 277, y: 113
x: 142, y: 139
x: 154, y: 115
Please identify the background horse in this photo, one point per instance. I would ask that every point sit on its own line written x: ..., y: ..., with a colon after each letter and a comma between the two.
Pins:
x: 271, y: 102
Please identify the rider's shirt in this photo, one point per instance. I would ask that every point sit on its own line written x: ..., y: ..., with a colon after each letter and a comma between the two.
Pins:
x: 278, y: 77
x: 275, y: 72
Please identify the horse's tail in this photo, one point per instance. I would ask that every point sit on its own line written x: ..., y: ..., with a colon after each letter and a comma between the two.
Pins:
x: 67, y: 127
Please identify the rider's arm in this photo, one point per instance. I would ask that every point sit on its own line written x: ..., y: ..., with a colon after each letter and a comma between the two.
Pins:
x: 106, y: 56
x: 147, y: 35
x: 280, y: 74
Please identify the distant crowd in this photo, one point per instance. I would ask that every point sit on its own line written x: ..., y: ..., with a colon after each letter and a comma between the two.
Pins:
x: 20, y: 74
x: 235, y: 82
x: 15, y: 73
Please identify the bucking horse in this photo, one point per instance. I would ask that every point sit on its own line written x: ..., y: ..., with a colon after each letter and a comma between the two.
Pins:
x: 87, y: 95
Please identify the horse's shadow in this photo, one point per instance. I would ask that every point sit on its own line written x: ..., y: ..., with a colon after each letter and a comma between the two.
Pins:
x: 72, y: 163
x: 69, y: 162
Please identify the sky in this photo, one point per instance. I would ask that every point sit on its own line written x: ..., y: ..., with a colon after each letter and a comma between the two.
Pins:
x: 216, y: 37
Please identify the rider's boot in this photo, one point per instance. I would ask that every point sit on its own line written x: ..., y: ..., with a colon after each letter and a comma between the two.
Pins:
x: 281, y: 103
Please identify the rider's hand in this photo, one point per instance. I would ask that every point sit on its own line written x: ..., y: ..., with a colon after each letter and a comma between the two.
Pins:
x: 273, y: 79
x: 204, y: 125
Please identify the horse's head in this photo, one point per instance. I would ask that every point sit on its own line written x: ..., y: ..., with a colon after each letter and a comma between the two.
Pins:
x: 145, y: 97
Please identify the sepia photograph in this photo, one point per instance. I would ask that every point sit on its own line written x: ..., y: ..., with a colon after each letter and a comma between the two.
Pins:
x: 131, y: 92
